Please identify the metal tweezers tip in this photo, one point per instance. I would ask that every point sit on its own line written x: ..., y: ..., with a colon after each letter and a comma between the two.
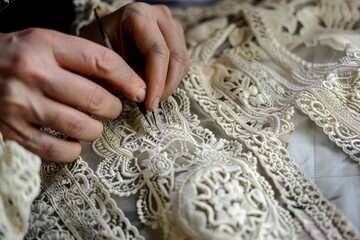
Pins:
x: 156, y: 125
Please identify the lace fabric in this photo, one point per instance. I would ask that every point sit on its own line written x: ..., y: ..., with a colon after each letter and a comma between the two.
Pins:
x: 19, y: 169
x: 248, y: 83
x: 219, y: 167
x: 74, y: 205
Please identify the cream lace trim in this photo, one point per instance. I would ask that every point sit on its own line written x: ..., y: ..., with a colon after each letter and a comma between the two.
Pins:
x: 219, y: 168
x: 327, y: 92
x: 19, y: 185
x: 194, y: 184
x: 74, y: 205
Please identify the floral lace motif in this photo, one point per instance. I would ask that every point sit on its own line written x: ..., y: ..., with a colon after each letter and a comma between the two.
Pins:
x: 333, y: 84
x: 218, y: 168
x: 74, y: 205
x: 191, y: 181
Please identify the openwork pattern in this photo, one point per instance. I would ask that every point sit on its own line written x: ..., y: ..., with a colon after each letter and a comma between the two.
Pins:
x: 219, y: 168
x: 19, y: 185
x: 74, y: 205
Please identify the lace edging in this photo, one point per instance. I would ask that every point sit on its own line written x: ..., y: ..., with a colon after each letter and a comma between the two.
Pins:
x: 74, y: 204
x: 19, y: 185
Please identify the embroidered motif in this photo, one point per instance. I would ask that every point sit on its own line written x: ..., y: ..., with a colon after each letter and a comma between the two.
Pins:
x: 219, y: 167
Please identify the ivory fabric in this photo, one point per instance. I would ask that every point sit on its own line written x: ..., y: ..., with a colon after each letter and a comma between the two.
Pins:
x: 19, y: 185
x: 260, y: 140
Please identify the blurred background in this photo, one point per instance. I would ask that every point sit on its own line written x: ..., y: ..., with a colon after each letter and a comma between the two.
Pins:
x: 178, y: 2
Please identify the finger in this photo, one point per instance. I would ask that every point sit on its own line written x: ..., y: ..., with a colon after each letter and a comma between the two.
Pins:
x: 44, y: 145
x: 75, y: 90
x: 65, y: 119
x: 178, y: 63
x: 157, y: 61
x: 93, y: 60
x: 152, y: 45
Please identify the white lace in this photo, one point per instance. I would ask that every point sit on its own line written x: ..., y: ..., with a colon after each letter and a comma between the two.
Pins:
x: 218, y: 168
x: 74, y: 205
x: 19, y: 185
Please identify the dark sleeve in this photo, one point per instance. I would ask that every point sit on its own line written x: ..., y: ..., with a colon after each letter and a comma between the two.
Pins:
x: 21, y: 14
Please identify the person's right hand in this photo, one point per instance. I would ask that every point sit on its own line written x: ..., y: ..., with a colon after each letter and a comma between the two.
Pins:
x: 45, y: 80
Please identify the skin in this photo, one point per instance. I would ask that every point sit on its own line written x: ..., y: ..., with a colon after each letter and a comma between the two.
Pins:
x: 47, y: 77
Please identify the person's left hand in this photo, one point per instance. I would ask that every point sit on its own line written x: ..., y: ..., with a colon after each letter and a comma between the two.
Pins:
x: 151, y: 42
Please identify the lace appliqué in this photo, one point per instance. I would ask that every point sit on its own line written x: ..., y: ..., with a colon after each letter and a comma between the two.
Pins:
x: 19, y: 171
x: 192, y: 184
x: 236, y: 180
x: 334, y: 84
x: 340, y: 119
x: 182, y: 157
x: 331, y: 96
x: 74, y: 205
x: 240, y: 181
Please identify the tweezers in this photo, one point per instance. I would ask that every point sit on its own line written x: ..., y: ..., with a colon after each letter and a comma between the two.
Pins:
x: 141, y: 105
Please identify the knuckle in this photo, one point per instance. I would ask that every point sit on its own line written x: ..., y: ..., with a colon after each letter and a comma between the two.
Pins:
x: 33, y: 32
x: 96, y: 131
x: 75, y: 126
x: 164, y: 10
x: 133, y: 82
x: 95, y: 101
x: 132, y: 10
x: 160, y: 49
x: 36, y: 35
x: 48, y: 150
x: 13, y: 105
x: 21, y: 63
x: 104, y: 61
x: 181, y: 57
x: 135, y: 6
x: 136, y: 23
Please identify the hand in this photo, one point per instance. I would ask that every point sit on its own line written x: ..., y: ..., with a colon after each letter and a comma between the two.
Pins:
x: 151, y: 42
x: 44, y: 81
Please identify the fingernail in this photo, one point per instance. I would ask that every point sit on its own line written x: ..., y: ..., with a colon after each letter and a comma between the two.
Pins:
x: 155, y: 104
x: 141, y: 94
